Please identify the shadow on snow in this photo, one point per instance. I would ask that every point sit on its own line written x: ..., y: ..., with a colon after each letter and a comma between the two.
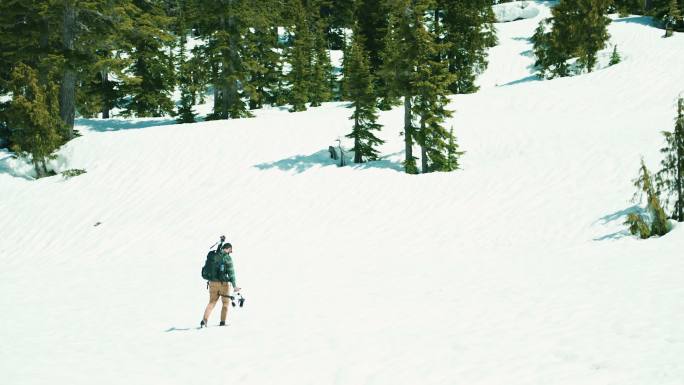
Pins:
x: 115, y: 124
x: 643, y: 20
x: 302, y: 163
x: 621, y: 216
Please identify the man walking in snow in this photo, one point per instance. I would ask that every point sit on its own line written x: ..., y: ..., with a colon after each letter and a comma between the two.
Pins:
x: 221, y: 282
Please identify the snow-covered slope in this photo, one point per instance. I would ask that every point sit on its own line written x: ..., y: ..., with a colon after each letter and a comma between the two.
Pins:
x: 514, y: 270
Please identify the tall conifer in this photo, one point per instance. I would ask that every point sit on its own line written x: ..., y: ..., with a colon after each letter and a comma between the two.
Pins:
x: 671, y: 176
x: 33, y: 116
x: 359, y: 91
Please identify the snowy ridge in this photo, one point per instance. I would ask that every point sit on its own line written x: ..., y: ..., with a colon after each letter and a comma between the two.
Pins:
x: 514, y: 270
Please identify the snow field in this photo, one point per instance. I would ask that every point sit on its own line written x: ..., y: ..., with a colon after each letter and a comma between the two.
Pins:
x: 515, y: 270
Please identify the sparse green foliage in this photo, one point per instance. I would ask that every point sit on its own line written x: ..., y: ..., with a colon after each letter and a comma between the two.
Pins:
x: 68, y: 174
x: 654, y: 222
x: 637, y: 226
x: 672, y: 17
x: 33, y: 118
x: 615, y: 57
x: 577, y: 29
x: 359, y: 90
x: 321, y: 87
x: 670, y: 178
x: 152, y: 70
x: 467, y: 29
x: 299, y: 56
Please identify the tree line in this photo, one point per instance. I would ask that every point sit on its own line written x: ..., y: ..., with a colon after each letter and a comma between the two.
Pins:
x: 568, y: 42
x: 63, y: 58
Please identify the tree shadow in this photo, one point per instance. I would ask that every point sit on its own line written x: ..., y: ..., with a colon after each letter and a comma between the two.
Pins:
x: 618, y: 215
x: 643, y: 20
x: 527, y: 79
x: 302, y: 163
x: 117, y: 124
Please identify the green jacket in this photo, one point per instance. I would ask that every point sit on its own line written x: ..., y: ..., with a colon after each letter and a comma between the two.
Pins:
x: 224, y: 267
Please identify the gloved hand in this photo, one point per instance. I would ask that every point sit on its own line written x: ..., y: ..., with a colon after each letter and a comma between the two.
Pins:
x: 223, y: 238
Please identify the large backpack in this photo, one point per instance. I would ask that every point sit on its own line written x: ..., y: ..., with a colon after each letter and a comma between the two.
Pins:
x: 209, y: 268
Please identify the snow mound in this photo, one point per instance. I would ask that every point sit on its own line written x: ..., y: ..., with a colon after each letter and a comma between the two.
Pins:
x: 515, y: 11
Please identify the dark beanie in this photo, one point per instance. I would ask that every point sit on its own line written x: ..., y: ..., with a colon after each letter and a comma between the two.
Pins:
x: 226, y: 245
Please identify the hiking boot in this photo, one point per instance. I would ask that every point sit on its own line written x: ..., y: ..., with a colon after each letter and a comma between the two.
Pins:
x: 203, y: 324
x: 223, y: 323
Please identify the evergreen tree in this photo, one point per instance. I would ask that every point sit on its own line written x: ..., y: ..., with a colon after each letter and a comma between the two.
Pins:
x: 86, y: 31
x: 339, y: 15
x: 671, y: 177
x: 372, y: 19
x: 266, y: 72
x: 359, y: 91
x: 672, y: 18
x: 614, y: 57
x: 225, y: 24
x: 655, y: 222
x: 321, y: 70
x: 153, y: 68
x: 578, y: 29
x: 430, y: 83
x: 668, y: 12
x: 388, y: 87
x: 400, y: 59
x: 185, y: 110
x: 33, y: 117
x: 453, y: 153
x: 414, y: 66
x: 67, y: 34
x: 627, y: 7
x: 468, y: 29
x: 299, y: 57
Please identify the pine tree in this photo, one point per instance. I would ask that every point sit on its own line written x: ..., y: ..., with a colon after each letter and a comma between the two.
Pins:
x: 321, y: 71
x: 359, y: 91
x: 468, y: 29
x: 387, y: 88
x: 153, y: 70
x: 372, y: 19
x: 185, y: 109
x: 627, y: 7
x: 614, y: 57
x: 400, y: 59
x: 655, y: 222
x: 266, y: 73
x: 578, y: 29
x: 225, y: 24
x: 671, y: 177
x: 430, y: 84
x: 453, y: 154
x: 672, y: 18
x: 299, y: 57
x: 415, y: 67
x: 33, y: 117
x: 67, y: 34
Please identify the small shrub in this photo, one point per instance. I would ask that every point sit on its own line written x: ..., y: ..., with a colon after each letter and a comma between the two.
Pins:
x: 73, y: 172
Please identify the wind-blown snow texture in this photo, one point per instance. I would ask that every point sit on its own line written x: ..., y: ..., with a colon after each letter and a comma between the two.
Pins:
x: 515, y: 270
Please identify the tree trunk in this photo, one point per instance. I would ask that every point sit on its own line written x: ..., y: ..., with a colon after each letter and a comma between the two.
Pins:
x: 233, y: 97
x: 39, y: 171
x: 408, y: 133
x: 358, y: 156
x: 423, y: 159
x: 679, y: 141
x: 67, y: 90
x: 106, y: 105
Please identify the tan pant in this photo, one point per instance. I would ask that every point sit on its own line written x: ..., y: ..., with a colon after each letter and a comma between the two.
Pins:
x: 218, y: 290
